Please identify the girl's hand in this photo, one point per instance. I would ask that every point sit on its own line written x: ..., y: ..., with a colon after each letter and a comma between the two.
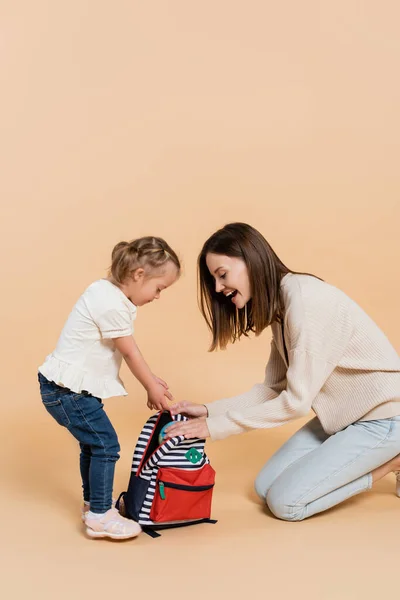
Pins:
x: 156, y: 397
x: 189, y: 409
x: 194, y: 428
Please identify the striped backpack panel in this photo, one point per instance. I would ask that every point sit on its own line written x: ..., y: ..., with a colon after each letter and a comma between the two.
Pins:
x: 171, y: 484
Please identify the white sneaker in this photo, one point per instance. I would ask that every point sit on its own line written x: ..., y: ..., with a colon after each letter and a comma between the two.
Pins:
x: 112, y: 525
x: 86, y: 507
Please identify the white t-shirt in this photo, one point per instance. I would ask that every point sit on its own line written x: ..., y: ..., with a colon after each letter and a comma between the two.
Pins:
x: 85, y: 357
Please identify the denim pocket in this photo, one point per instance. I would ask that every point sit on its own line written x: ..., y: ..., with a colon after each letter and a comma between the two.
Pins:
x: 55, y: 408
x: 380, y: 429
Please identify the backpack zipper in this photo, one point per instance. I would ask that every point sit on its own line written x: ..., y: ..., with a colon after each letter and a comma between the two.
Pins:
x: 177, y: 486
x: 147, y: 446
x: 162, y: 491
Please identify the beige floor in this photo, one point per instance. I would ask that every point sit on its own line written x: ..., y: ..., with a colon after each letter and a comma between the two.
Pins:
x: 173, y: 118
x: 351, y: 552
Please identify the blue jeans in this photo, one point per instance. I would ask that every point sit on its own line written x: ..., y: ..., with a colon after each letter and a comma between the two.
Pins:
x: 314, y: 471
x: 83, y: 415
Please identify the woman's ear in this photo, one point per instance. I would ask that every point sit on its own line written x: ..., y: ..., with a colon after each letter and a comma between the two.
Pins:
x: 137, y: 274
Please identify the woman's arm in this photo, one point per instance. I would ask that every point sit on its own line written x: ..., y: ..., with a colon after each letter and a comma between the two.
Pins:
x: 274, y: 383
x: 320, y: 330
x: 305, y: 377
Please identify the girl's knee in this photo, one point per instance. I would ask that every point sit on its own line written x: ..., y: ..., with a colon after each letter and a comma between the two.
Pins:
x: 107, y: 448
x: 113, y: 450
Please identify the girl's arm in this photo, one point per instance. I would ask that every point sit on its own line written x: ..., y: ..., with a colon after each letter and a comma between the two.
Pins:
x: 133, y: 357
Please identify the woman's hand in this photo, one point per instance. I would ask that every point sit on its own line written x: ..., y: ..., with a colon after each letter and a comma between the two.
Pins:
x: 194, y: 428
x: 189, y: 409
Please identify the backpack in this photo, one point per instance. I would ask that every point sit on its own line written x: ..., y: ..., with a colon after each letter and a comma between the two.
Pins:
x: 171, y: 484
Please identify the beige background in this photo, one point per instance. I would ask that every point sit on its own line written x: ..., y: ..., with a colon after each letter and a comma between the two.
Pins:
x: 172, y: 118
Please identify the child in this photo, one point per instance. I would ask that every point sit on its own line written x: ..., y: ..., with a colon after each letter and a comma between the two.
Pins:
x: 326, y: 355
x: 84, y: 369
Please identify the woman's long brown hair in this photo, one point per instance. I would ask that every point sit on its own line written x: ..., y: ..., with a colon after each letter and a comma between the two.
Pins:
x: 265, y: 271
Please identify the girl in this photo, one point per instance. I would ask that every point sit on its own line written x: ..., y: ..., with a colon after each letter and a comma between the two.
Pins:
x: 326, y: 355
x: 84, y: 368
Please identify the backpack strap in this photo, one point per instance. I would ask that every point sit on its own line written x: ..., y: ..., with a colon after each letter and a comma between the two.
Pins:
x: 150, y: 532
x: 154, y: 534
x: 118, y: 502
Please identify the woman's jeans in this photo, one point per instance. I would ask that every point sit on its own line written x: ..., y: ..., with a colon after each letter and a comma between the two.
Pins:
x: 314, y: 471
x: 83, y: 415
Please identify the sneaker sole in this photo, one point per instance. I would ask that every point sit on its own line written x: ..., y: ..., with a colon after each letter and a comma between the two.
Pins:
x: 114, y: 536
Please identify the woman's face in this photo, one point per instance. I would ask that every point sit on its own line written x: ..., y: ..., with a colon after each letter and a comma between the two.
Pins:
x: 231, y: 278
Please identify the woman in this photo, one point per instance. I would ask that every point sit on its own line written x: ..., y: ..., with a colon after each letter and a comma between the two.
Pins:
x: 326, y: 355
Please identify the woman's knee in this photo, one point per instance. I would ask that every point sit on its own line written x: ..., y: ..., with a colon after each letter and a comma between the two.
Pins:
x: 265, y: 479
x: 260, y: 487
x: 281, y: 506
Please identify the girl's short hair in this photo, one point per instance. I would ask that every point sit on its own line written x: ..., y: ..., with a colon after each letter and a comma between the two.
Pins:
x: 149, y: 253
x: 265, y: 271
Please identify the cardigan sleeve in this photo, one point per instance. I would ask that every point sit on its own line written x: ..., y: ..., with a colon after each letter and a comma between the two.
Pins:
x: 274, y: 383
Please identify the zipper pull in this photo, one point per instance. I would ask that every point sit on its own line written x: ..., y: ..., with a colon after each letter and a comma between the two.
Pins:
x: 162, y: 490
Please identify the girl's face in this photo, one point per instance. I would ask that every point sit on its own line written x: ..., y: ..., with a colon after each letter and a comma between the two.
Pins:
x: 145, y: 287
x: 231, y: 278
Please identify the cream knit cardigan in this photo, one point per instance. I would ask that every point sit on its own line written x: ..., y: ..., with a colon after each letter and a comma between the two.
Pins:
x: 341, y: 365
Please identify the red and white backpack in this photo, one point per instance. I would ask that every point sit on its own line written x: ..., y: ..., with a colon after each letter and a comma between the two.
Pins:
x: 171, y: 484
